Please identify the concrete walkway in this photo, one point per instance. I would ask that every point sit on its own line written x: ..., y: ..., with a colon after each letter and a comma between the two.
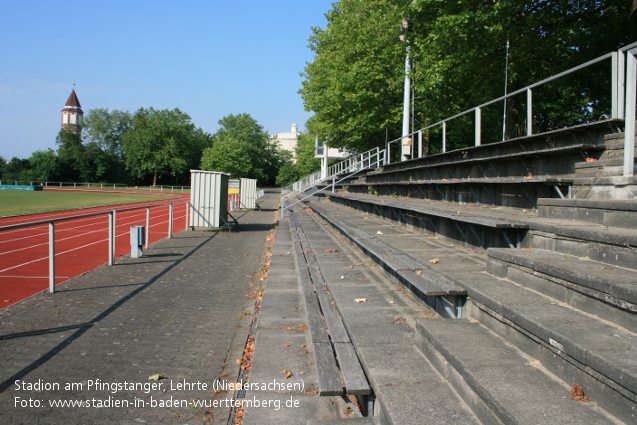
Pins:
x: 182, y: 311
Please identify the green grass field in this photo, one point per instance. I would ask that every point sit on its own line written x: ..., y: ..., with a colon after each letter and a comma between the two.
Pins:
x: 17, y: 202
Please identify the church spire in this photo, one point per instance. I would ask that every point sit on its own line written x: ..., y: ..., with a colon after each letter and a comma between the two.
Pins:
x: 72, y: 114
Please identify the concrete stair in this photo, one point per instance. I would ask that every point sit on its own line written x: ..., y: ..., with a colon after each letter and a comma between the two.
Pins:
x: 561, y: 325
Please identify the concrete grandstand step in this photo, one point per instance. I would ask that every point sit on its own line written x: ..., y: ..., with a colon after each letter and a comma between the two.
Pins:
x: 607, y: 291
x: 381, y: 326
x: 601, y: 168
x: 489, y: 372
x: 611, y: 213
x: 575, y: 345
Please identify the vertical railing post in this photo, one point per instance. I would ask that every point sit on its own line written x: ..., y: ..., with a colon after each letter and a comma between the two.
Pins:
x: 614, y: 87
x: 529, y: 112
x: 187, y: 215
x: 147, y: 235
x: 170, y: 221
x: 51, y: 257
x: 444, y: 136
x: 631, y: 103
x: 114, y: 235
x: 419, y: 143
x: 111, y: 248
x: 621, y: 84
x: 478, y: 130
x: 388, y: 150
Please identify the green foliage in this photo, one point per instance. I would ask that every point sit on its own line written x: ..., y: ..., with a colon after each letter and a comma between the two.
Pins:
x: 44, y: 166
x: 288, y: 174
x: 16, y: 169
x: 73, y: 159
x: 354, y: 84
x: 103, y: 130
x: 161, y: 142
x: 242, y: 148
x: 306, y: 164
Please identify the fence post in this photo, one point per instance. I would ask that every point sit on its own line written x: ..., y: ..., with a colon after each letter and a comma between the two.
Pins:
x: 444, y: 136
x: 631, y: 102
x: 170, y: 221
x: 147, y: 237
x: 187, y: 213
x: 51, y: 257
x: 419, y: 143
x: 529, y: 112
x: 478, y: 135
x: 111, y: 239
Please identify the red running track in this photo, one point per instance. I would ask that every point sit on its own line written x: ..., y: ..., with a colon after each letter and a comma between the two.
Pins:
x: 80, y: 244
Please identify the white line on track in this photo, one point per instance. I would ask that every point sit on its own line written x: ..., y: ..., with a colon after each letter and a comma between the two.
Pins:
x: 69, y: 250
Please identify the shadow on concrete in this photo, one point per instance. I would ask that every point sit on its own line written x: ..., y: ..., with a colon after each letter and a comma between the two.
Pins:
x: 82, y: 328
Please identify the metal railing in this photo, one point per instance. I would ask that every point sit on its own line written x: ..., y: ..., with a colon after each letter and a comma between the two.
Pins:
x: 112, y: 223
x: 74, y: 185
x: 352, y: 165
x: 623, y: 103
x: 365, y: 160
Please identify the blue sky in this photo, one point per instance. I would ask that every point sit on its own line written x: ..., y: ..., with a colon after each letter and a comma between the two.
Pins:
x: 208, y: 58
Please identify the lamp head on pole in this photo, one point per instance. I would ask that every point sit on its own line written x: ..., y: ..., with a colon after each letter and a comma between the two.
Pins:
x: 406, y: 25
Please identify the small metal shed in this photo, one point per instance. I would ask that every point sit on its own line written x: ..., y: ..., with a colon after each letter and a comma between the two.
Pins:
x: 248, y: 193
x: 208, y: 198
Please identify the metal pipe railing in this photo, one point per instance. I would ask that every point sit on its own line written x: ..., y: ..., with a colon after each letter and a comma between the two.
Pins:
x: 619, y: 92
x: 112, y: 226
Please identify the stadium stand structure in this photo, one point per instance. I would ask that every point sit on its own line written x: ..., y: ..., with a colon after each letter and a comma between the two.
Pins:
x: 525, y: 253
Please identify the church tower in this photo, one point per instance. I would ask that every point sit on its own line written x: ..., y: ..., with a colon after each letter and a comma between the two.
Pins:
x: 72, y: 114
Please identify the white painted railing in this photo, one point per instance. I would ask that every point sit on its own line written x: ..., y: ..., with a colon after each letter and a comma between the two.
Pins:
x: 353, y: 163
x: 623, y: 103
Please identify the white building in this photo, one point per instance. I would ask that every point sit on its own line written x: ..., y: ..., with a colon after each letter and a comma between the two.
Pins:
x: 288, y: 140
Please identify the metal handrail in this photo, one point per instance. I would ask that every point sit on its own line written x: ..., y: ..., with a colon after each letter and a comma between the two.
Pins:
x: 618, y: 91
x: 316, y: 177
x: 112, y: 223
x: 365, y: 163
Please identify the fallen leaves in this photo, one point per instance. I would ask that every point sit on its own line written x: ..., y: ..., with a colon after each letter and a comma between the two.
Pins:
x: 591, y: 159
x: 329, y: 251
x: 419, y: 272
x: 577, y: 393
x: 287, y: 373
x: 156, y: 377
x: 435, y: 261
x: 297, y: 328
x: 526, y: 249
x: 360, y: 300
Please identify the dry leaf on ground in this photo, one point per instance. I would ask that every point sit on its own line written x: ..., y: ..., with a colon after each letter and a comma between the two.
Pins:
x: 435, y: 261
x: 287, y: 373
x: 360, y: 300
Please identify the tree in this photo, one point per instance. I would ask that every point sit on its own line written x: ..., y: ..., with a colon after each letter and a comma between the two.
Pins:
x: 242, y: 148
x: 16, y: 170
x: 73, y: 161
x: 287, y: 174
x: 159, y: 141
x: 354, y: 84
x: 105, y: 130
x: 44, y: 166
x: 306, y: 163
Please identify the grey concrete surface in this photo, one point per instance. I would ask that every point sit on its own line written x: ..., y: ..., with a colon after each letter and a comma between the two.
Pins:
x: 182, y: 311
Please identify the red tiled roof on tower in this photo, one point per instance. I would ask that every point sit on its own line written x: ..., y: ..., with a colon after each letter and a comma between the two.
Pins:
x: 73, y: 100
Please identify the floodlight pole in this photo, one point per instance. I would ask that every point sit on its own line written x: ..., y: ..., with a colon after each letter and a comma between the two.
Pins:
x: 406, y: 141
